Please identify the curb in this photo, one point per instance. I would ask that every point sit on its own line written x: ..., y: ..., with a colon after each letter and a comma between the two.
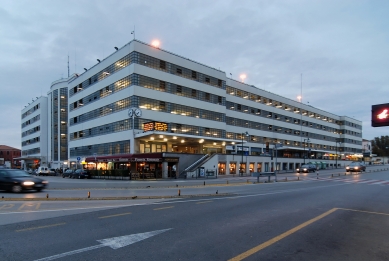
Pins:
x: 117, y: 198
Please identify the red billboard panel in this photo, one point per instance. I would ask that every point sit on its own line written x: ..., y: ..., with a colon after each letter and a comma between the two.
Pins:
x: 380, y: 115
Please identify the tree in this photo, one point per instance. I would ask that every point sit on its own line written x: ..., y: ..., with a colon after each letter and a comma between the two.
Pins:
x: 380, y: 146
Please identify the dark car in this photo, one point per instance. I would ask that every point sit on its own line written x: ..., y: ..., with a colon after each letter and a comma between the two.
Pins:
x: 81, y: 174
x: 17, y: 180
x: 356, y: 166
x: 68, y: 173
x: 307, y: 168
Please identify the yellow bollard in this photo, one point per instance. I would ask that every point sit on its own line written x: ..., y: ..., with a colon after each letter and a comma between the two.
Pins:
x: 179, y: 192
x: 88, y: 194
x: 47, y: 195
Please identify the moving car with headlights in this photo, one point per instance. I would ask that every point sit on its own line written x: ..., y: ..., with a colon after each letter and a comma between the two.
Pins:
x: 356, y: 166
x: 17, y: 180
x: 306, y: 168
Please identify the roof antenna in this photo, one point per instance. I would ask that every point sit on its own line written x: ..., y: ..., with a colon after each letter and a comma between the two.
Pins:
x: 133, y: 32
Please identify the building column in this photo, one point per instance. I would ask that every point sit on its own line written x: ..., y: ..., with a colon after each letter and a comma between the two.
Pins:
x: 164, y: 170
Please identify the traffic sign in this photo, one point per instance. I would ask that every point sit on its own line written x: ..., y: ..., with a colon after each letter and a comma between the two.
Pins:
x: 78, y: 158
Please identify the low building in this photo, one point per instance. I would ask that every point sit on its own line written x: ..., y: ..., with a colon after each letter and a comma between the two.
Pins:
x: 9, y: 157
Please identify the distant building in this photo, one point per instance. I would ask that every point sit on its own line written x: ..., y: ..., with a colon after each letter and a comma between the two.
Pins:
x: 8, y: 157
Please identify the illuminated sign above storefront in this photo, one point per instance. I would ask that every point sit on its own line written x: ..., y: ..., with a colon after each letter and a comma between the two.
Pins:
x: 380, y: 115
x: 155, y: 126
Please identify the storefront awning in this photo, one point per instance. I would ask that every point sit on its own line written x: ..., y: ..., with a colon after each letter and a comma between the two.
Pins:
x: 148, y: 157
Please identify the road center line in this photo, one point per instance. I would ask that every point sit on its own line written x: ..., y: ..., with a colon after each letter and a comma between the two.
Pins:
x: 202, y: 202
x: 33, y: 228
x: 279, y: 237
x: 163, y: 208
x: 117, y: 215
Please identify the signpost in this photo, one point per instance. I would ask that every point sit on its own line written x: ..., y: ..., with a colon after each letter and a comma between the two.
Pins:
x: 78, y: 161
x: 276, y: 146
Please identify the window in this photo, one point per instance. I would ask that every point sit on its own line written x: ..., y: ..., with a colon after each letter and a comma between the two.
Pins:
x: 162, y: 65
x: 162, y: 105
x: 75, y: 119
x: 75, y: 105
x: 179, y: 89
x: 194, y: 93
x: 207, y: 79
x: 194, y: 75
x: 179, y: 70
x: 239, y: 107
x: 207, y: 96
x: 75, y: 89
x: 90, y: 81
x: 162, y: 85
x: 219, y: 100
x: 219, y: 83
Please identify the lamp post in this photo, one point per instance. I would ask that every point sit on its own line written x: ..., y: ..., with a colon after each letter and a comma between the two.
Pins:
x: 241, y: 163
x: 304, y: 148
x: 336, y: 154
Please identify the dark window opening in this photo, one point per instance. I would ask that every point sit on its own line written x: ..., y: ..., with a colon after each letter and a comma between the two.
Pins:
x: 162, y: 64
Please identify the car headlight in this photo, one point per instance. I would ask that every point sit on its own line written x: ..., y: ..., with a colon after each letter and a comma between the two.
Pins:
x: 28, y: 183
x: 45, y: 182
x: 347, y: 167
x: 298, y: 169
x: 305, y: 169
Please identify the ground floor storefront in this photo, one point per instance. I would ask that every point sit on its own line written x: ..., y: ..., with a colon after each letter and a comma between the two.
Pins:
x: 133, y: 166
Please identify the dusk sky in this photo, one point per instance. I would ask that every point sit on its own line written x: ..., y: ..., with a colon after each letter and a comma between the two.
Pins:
x: 341, y: 48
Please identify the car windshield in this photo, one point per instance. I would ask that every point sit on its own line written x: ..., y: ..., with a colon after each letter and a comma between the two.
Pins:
x: 305, y: 166
x: 354, y: 164
x: 18, y: 173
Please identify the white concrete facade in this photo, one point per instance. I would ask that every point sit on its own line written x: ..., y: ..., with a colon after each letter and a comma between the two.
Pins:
x: 34, y: 128
x: 202, y: 109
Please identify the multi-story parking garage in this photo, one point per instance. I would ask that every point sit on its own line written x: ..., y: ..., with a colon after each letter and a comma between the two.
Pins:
x: 142, y: 100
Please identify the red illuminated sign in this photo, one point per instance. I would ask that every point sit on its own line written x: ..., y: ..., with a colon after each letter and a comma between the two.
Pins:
x: 380, y: 115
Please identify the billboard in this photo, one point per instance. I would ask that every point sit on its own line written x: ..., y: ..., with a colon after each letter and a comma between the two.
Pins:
x: 380, y: 115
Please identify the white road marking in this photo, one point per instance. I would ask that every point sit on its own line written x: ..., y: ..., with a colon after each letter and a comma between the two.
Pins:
x: 114, y: 243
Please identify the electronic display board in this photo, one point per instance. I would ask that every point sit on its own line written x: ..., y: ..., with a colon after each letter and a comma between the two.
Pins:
x: 155, y: 126
x: 380, y: 115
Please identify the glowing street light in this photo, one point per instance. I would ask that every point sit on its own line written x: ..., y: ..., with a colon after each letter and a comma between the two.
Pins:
x: 155, y: 43
x: 242, y: 77
x: 299, y: 98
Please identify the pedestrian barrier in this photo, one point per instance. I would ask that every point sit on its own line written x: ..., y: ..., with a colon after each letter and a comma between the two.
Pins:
x: 263, y: 174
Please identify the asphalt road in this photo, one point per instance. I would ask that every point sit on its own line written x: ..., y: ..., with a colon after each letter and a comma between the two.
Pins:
x: 342, y: 218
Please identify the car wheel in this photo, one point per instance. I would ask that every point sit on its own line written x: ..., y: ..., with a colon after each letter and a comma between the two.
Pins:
x: 39, y: 189
x: 63, y: 176
x: 17, y: 188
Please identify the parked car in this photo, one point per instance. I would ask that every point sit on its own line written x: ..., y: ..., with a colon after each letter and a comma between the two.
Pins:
x: 52, y: 172
x: 307, y: 168
x: 81, y: 174
x: 356, y: 166
x: 17, y: 180
x: 68, y: 173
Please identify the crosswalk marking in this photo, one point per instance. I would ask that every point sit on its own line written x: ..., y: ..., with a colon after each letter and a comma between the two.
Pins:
x: 352, y: 181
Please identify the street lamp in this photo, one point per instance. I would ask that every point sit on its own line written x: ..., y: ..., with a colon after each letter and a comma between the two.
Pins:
x: 304, y: 148
x: 336, y: 149
x: 241, y: 164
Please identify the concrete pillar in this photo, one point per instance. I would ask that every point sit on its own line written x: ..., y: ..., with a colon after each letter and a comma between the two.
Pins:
x: 164, y: 170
